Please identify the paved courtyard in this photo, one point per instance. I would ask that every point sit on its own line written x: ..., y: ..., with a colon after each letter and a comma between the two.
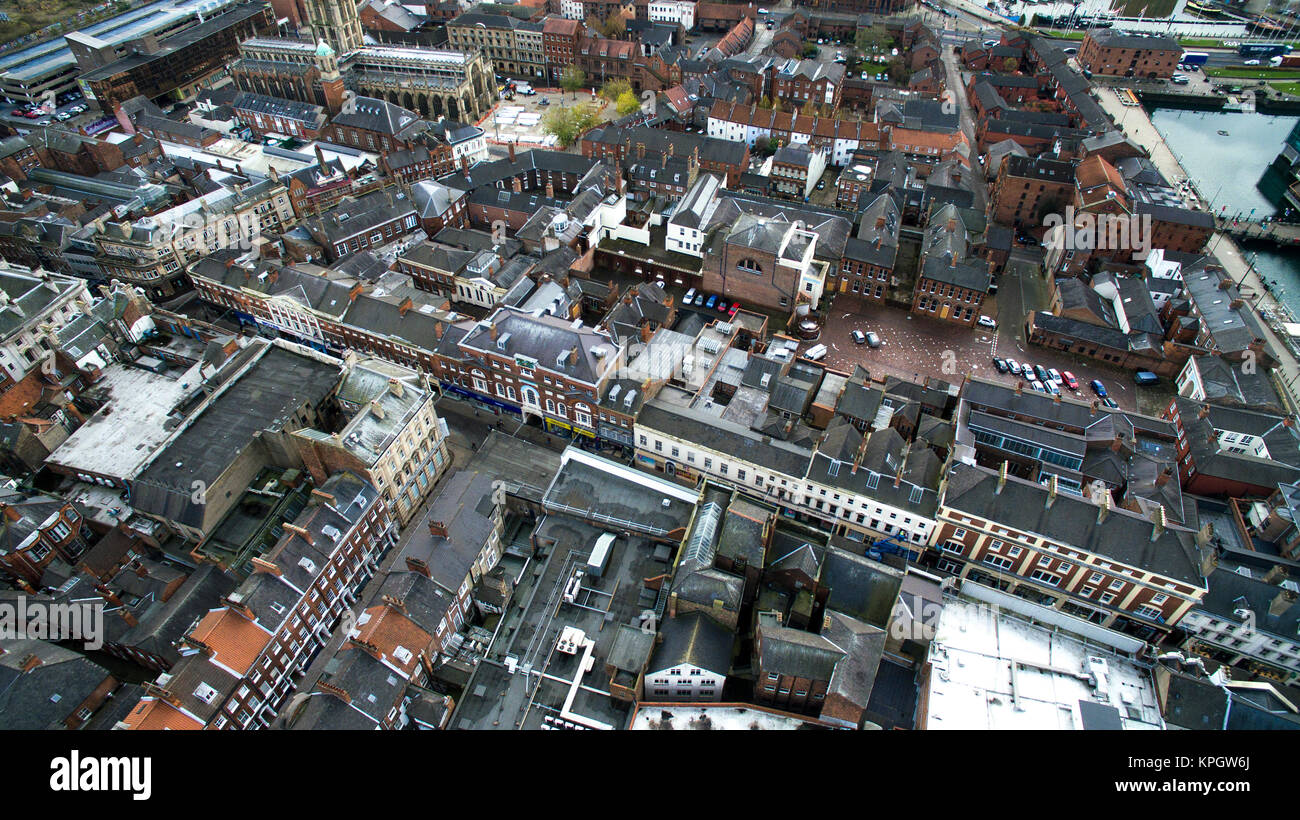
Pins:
x: 918, y: 346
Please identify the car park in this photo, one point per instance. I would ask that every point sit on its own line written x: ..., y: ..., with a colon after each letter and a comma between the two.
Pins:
x: 1071, y: 380
x: 1098, y: 387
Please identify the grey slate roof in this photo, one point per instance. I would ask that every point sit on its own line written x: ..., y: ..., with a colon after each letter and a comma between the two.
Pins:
x: 1123, y: 536
x: 694, y: 639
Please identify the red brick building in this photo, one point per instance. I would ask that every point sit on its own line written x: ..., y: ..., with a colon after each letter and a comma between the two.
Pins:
x: 1106, y: 51
x: 245, y: 655
x: 1029, y: 188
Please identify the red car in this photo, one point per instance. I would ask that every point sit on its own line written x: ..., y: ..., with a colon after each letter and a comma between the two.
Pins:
x: 1070, y: 380
x: 735, y: 308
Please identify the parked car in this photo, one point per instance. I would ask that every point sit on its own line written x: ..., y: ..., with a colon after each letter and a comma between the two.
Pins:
x: 1110, y: 403
x: 1050, y: 387
x: 872, y: 339
x: 821, y: 184
x: 1071, y: 380
x: 1037, y: 385
x: 986, y: 321
x: 1041, y: 373
x: 1145, y: 377
x: 1055, y: 375
x: 713, y: 300
x: 735, y: 308
x: 690, y: 297
x: 1000, y: 365
x: 859, y: 337
x: 1014, y: 367
x: 722, y: 304
x: 699, y: 300
x: 1098, y: 387
x: 1251, y: 62
x: 815, y: 353
x: 543, y: 101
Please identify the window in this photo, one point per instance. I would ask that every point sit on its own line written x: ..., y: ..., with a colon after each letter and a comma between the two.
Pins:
x: 998, y: 561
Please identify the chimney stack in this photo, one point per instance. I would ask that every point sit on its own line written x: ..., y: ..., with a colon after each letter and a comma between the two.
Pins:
x: 1282, y: 601
x: 1163, y: 478
x: 1053, y: 490
x: 1158, y: 522
x: 1002, y: 478
x: 297, y: 530
x: 511, y: 147
x: 1275, y: 575
x: 416, y: 565
x: 438, y: 529
x: 1103, y: 509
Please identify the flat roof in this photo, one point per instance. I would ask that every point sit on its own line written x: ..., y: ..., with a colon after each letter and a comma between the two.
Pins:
x: 119, y: 439
x: 996, y: 670
x: 716, y: 716
x: 54, y: 55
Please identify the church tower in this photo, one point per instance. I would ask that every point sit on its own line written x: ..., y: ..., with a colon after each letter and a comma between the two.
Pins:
x: 331, y: 80
x: 337, y: 23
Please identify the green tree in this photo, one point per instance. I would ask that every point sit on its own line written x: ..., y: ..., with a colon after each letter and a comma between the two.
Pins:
x: 1010, y: 64
x: 765, y: 103
x: 613, y: 89
x: 615, y: 25
x: 572, y: 78
x: 627, y: 103
x: 561, y: 123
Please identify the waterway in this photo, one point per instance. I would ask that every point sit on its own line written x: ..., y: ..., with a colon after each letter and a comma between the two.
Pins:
x: 1233, y: 173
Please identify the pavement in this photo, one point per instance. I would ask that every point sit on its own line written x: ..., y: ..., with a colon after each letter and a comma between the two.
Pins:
x: 919, y: 346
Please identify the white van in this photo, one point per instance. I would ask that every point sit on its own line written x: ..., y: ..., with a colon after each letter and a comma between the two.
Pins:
x: 815, y: 353
x: 690, y: 297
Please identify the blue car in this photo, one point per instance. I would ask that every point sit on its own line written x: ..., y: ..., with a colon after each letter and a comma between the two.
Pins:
x: 1098, y: 387
x: 713, y: 300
